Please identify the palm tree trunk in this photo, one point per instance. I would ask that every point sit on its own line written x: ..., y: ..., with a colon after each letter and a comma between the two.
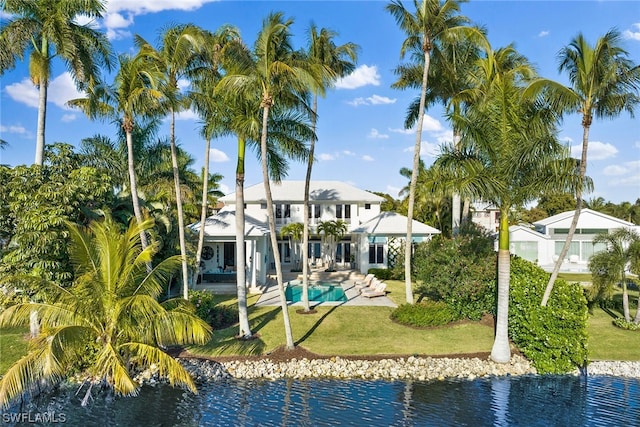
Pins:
x: 455, y: 199
x: 465, y: 210
x: 305, y: 230
x: 408, y: 247
x: 42, y: 114
x: 625, y: 300
x: 241, y: 287
x: 272, y: 225
x: 501, y: 352
x: 176, y: 182
x: 134, y: 188
x: 203, y: 211
x: 576, y: 215
x: 636, y: 320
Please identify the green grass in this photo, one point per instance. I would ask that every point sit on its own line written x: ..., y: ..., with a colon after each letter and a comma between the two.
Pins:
x: 575, y: 277
x: 13, y: 346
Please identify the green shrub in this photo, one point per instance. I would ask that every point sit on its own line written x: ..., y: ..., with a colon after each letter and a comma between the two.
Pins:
x: 429, y: 313
x: 554, y: 337
x: 217, y: 315
x: 381, y: 273
x: 630, y: 326
x: 459, y: 271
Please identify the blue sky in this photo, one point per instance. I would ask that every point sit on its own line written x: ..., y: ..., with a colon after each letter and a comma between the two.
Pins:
x: 361, y: 135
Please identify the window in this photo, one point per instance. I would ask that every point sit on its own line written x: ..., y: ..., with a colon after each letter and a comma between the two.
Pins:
x: 367, y: 205
x: 263, y: 206
x: 283, y: 211
x: 343, y: 211
x: 376, y: 253
x: 314, y: 211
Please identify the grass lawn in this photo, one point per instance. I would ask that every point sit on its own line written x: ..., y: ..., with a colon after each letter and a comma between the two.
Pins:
x: 13, y: 346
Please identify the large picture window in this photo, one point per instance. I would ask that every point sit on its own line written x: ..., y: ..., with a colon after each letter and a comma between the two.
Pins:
x: 343, y: 211
x: 376, y: 253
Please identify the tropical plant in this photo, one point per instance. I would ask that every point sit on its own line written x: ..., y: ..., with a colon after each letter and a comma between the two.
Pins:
x: 509, y: 156
x: 294, y: 232
x: 177, y: 57
x: 273, y: 73
x: 332, y: 231
x: 329, y: 62
x: 609, y: 267
x: 431, y: 21
x: 603, y: 83
x: 49, y: 29
x: 109, y: 323
x: 135, y: 93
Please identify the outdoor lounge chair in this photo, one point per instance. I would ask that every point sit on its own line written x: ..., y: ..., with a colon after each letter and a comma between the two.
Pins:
x: 366, y: 282
x: 370, y: 287
x: 379, y: 291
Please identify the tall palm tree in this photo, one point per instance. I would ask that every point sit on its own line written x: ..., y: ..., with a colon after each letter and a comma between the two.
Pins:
x: 48, y: 29
x: 450, y: 66
x: 329, y: 62
x: 178, y: 58
x: 274, y: 74
x: 509, y: 156
x: 135, y: 93
x: 431, y: 21
x: 242, y: 89
x: 603, y: 83
x: 294, y: 232
x: 332, y: 231
x: 109, y: 319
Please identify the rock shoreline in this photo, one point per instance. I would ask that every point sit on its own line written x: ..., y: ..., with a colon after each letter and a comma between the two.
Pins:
x: 414, y: 368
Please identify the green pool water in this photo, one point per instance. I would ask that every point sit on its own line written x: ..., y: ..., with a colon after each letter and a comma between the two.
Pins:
x: 318, y: 292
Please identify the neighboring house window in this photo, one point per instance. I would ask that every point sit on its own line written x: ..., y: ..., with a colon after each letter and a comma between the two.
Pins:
x: 343, y: 211
x: 367, y: 205
x: 263, y: 206
x: 376, y: 253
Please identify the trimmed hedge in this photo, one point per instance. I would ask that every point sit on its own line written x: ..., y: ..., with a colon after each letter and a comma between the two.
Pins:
x: 429, y: 313
x: 554, y: 337
x: 381, y: 273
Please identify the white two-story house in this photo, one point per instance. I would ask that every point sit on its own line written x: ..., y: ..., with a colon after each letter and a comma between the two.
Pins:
x: 372, y: 238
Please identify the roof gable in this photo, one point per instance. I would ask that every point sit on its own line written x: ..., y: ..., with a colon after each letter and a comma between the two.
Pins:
x: 392, y: 223
x: 588, y: 219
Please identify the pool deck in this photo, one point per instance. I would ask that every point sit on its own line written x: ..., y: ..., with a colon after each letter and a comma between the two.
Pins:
x: 345, y: 278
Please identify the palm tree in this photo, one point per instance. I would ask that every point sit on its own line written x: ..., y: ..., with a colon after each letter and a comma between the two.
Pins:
x: 609, y: 266
x: 49, y: 29
x: 431, y: 21
x: 332, y: 232
x: 604, y: 82
x: 109, y: 319
x: 509, y: 155
x: 135, y: 92
x: 330, y: 62
x: 177, y: 57
x: 242, y: 88
x: 294, y: 231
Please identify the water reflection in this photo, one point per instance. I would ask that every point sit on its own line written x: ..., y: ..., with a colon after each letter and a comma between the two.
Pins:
x: 506, y: 401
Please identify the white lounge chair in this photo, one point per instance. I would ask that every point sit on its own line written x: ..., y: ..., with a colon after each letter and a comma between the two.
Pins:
x: 378, y: 291
x: 360, y: 284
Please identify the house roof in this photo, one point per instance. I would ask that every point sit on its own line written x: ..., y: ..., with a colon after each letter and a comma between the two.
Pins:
x: 584, y: 214
x: 293, y: 191
x: 223, y: 224
x: 527, y: 230
x: 391, y: 223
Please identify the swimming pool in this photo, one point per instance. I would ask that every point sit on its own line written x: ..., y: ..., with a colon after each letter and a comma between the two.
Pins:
x: 318, y: 292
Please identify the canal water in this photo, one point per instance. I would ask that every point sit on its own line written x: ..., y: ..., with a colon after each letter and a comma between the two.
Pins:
x: 505, y: 401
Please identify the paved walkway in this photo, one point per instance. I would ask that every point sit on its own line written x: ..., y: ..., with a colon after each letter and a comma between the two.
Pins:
x: 345, y: 278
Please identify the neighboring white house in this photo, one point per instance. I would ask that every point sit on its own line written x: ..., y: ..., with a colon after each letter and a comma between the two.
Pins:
x: 485, y: 214
x: 543, y: 245
x: 371, y: 240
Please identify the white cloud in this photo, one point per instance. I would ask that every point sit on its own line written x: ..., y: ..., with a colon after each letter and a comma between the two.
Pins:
x: 374, y: 134
x: 367, y: 158
x: 393, y: 191
x: 614, y: 170
x: 348, y: 153
x: 427, y: 149
x: 566, y: 139
x: 224, y: 188
x: 597, y: 150
x: 372, y: 100
x: 23, y: 92
x: 218, y: 156
x: 634, y: 33
x: 429, y: 124
x: 187, y: 115
x: 61, y: 89
x: 68, y: 118
x: 17, y: 130
x: 364, y: 75
x: 544, y: 33
x: 326, y: 157
x: 140, y: 7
